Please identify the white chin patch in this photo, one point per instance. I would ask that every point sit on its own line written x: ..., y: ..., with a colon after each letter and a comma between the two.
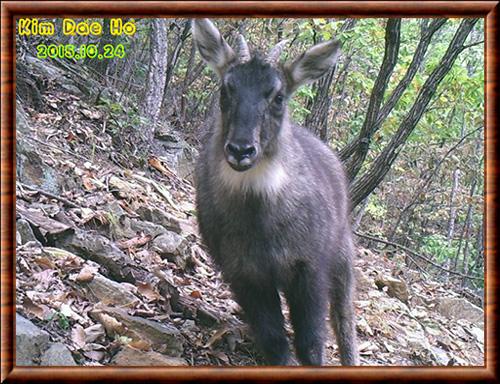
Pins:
x: 266, y: 178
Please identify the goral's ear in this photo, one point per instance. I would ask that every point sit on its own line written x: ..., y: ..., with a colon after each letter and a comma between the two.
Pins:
x: 212, y: 46
x: 312, y: 64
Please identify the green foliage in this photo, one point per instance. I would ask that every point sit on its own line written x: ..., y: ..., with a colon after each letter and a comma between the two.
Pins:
x: 439, y: 248
x: 61, y: 319
x: 123, y: 340
x: 297, y: 104
x: 375, y: 208
x: 120, y: 118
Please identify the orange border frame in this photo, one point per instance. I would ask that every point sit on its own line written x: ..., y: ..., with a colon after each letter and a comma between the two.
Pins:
x: 12, y: 9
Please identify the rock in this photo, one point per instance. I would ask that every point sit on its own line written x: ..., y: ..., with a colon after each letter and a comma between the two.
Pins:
x: 22, y: 124
x: 165, y: 133
x: 39, y: 219
x: 189, y: 326
x: 31, y: 342
x: 426, y: 354
x: 120, y: 229
x: 420, y: 350
x: 29, y: 86
x: 163, y: 338
x: 29, y: 165
x: 178, y: 154
x: 364, y: 327
x: 362, y: 282
x: 156, y: 215
x: 33, y: 346
x: 170, y: 243
x: 208, y: 317
x: 80, y: 85
x: 171, y: 246
x: 25, y: 232
x: 43, y: 68
x: 115, y: 209
x: 133, y: 357
x: 32, y: 170
x: 92, y: 246
x: 460, y: 308
x: 478, y: 333
x: 57, y: 355
x: 119, y: 223
x: 110, y: 292
x: 186, y: 161
x: 395, y: 287
x: 146, y: 228
x: 440, y: 356
x: 194, y: 308
x: 59, y: 254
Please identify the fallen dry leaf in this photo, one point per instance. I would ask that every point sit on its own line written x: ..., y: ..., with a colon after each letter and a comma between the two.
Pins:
x: 67, y: 311
x: 40, y: 311
x: 159, y: 166
x: 88, y: 183
x: 111, y: 325
x: 218, y: 335
x: 39, y: 219
x: 78, y: 336
x: 45, y: 262
x: 133, y: 243
x: 147, y: 290
x: 195, y: 294
x: 95, y: 355
x: 142, y: 345
x: 86, y: 274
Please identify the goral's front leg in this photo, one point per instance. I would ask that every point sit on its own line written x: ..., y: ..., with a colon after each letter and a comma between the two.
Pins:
x: 262, y: 307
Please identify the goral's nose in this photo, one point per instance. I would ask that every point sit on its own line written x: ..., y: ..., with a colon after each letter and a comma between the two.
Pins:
x: 241, y: 151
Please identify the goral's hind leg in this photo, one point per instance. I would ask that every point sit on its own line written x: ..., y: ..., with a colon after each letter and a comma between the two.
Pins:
x: 342, y: 308
x: 262, y: 308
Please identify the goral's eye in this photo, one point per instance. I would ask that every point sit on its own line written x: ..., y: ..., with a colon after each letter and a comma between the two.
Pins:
x: 278, y: 99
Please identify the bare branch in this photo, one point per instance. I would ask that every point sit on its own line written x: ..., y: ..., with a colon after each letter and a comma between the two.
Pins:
x: 472, y: 44
x: 426, y: 259
x: 50, y: 195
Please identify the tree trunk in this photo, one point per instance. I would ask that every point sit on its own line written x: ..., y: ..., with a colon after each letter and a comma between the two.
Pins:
x: 392, y: 40
x: 157, y: 70
x: 319, y: 106
x: 415, y: 64
x: 174, y: 57
x: 466, y: 230
x: 360, y: 214
x: 479, y: 259
x: 453, y: 208
x: 106, y: 38
x: 317, y: 120
x: 364, y: 185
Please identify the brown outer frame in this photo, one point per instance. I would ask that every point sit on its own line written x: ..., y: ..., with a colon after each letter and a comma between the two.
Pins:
x: 11, y: 9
